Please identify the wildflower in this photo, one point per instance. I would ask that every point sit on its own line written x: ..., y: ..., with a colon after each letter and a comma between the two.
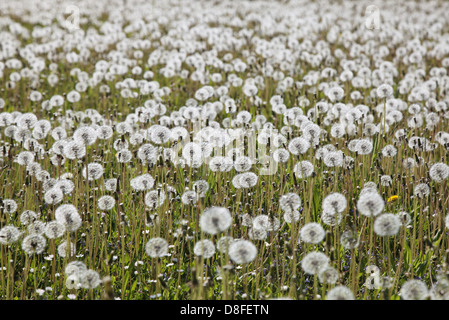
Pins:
x: 73, y: 281
x: 53, y: 196
x: 405, y: 218
x: 331, y: 219
x: 384, y: 91
x: 201, y: 187
x: 104, y: 132
x: 333, y: 159
x: 372, y: 282
x: 440, y: 289
x: 147, y: 153
x: 242, y: 164
x: 386, y: 181
x: 248, y: 180
x: 372, y: 270
x: 291, y: 215
x: 335, y: 94
x: 40, y: 292
x: 159, y: 134
x: 142, y: 182
x: 124, y: 156
x: 386, y: 282
x: 392, y: 198
x: 389, y: 151
x: 221, y: 164
x: 364, y: 147
x: 66, y: 186
x: 75, y: 267
x: 264, y: 222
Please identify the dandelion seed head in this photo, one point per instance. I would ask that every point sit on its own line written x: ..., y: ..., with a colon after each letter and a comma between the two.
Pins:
x: 350, y: 239
x: 370, y: 204
x: 156, y: 247
x: 62, y: 249
x: 54, y: 229
x: 312, y: 232
x: 340, y: 293
x: 242, y: 251
x: 9, y: 234
x: 155, y: 198
x: 9, y: 206
x: 27, y: 217
x: 328, y: 275
x: 290, y: 201
x: 215, y: 220
x: 204, y: 248
x: 75, y: 267
x: 314, y: 262
x: 189, y: 197
x: 68, y: 216
x: 94, y: 171
x: 387, y: 224
x: 334, y: 203
x: 34, y: 244
x: 439, y: 172
x: 106, y: 203
x: 421, y: 190
x: 414, y: 290
x: 37, y: 227
x: 90, y: 279
x: 303, y: 169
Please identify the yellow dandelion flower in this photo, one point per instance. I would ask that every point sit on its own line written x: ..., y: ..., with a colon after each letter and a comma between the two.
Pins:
x: 393, y: 198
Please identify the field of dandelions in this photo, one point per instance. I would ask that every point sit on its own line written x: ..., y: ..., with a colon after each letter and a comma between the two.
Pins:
x: 235, y: 150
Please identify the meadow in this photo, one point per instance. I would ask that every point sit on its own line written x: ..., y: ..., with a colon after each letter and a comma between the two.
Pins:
x: 229, y: 150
